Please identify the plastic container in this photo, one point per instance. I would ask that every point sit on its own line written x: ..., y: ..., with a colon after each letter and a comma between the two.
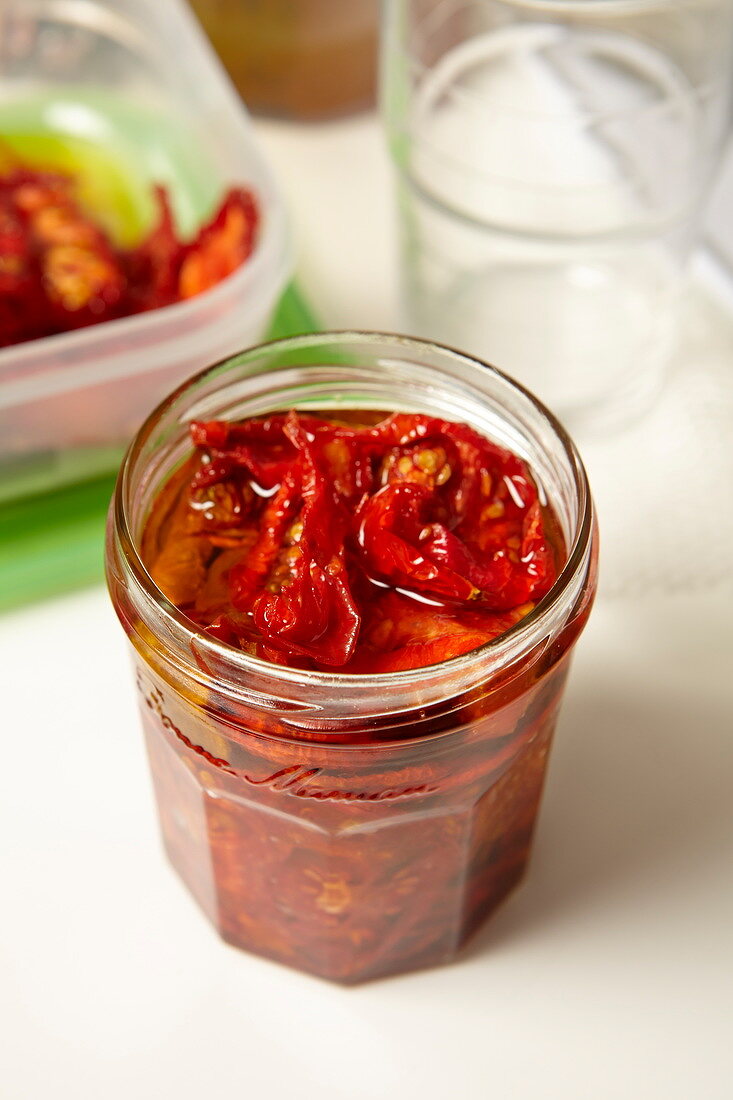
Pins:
x: 53, y: 542
x: 351, y: 826
x: 129, y: 92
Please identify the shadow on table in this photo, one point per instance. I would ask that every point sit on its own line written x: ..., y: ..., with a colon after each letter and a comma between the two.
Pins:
x: 637, y: 797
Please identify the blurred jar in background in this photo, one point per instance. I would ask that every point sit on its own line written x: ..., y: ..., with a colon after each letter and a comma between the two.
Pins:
x: 552, y: 160
x: 303, y: 59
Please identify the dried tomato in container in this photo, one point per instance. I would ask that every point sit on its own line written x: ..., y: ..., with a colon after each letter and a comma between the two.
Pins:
x: 352, y: 570
x: 60, y: 270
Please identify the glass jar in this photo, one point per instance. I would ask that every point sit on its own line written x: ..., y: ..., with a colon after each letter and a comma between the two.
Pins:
x: 552, y: 161
x: 303, y: 59
x: 350, y: 826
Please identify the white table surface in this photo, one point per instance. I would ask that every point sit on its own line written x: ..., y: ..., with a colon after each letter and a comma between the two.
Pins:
x: 607, y: 975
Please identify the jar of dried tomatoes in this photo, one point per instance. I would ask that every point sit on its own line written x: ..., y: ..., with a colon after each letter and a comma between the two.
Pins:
x: 350, y: 825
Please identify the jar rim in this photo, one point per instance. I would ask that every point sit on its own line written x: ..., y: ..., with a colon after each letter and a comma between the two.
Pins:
x: 518, y: 639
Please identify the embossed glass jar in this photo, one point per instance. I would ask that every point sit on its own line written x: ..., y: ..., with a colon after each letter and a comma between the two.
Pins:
x: 350, y: 826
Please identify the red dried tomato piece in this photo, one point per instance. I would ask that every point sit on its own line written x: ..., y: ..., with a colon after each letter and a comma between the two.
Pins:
x: 247, y: 580
x: 312, y: 615
x: 152, y: 267
x: 259, y: 448
x: 400, y: 633
x: 21, y: 291
x: 311, y: 612
x: 81, y: 276
x: 398, y: 542
x: 221, y: 246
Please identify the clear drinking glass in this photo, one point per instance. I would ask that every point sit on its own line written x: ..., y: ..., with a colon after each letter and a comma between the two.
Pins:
x: 351, y: 826
x: 552, y: 157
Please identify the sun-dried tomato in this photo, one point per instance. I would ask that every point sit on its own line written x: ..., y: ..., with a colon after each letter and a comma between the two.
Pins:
x: 360, y: 547
x: 60, y: 271
x: 221, y: 246
x: 152, y: 268
x: 400, y: 544
x: 295, y: 583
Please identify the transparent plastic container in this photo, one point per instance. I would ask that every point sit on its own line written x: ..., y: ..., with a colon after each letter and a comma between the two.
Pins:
x: 350, y: 826
x: 131, y: 94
